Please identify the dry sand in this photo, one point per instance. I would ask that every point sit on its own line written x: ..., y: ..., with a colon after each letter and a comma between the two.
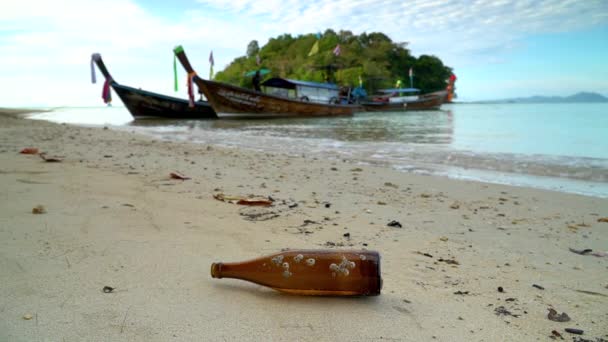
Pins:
x: 115, y: 218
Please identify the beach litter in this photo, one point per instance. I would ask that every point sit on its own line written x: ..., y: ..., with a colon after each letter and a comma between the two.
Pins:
x: 29, y: 150
x: 502, y: 311
x: 177, y: 175
x: 449, y: 261
x: 593, y: 293
x: 107, y: 289
x: 394, y: 224
x: 555, y: 334
x: 603, y: 219
x: 574, y: 331
x: 242, y: 200
x: 581, y: 251
x: 27, y: 317
x: 425, y: 254
x: 589, y: 251
x: 50, y: 159
x: 538, y: 286
x: 258, y: 214
x: 39, y: 209
x: 553, y: 316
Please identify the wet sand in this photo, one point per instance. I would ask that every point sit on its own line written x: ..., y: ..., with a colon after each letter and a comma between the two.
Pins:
x: 113, y: 217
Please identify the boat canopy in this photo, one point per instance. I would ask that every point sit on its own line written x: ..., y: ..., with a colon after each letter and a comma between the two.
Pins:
x: 399, y: 90
x: 286, y: 83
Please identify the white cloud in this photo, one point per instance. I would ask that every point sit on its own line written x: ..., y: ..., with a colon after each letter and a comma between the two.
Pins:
x: 45, y: 46
x: 451, y: 29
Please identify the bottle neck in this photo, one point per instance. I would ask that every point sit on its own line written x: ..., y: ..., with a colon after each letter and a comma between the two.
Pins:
x: 216, y: 270
x: 221, y: 270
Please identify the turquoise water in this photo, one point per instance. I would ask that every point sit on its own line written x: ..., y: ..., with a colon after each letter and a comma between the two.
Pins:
x: 562, y: 147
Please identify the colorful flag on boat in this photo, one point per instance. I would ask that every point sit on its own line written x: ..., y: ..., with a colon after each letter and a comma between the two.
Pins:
x: 398, y: 84
x: 337, y: 50
x: 106, y: 93
x: 314, y: 49
x: 211, y: 63
x: 175, y: 88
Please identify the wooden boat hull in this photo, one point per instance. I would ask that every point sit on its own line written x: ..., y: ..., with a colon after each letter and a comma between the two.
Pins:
x: 426, y: 102
x: 143, y: 104
x: 229, y: 100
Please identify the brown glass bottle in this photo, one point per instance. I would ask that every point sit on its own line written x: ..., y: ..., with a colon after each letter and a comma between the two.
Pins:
x: 310, y: 272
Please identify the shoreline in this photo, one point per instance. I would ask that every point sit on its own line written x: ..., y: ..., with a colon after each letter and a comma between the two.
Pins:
x: 115, y: 218
x: 21, y: 112
x: 577, y: 175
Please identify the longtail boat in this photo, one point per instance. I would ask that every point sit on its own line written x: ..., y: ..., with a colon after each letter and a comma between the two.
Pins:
x: 143, y: 104
x: 402, y: 99
x: 290, y: 100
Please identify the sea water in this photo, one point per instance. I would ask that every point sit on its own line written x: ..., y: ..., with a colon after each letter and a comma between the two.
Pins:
x: 561, y: 147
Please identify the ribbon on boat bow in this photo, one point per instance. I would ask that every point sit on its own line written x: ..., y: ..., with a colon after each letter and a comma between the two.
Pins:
x: 94, y: 58
x: 190, y: 90
x: 175, y: 72
x: 93, y: 78
x: 106, y: 94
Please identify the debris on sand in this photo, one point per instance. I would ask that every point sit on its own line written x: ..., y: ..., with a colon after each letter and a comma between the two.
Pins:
x: 574, y: 331
x: 449, y: 261
x: 553, y: 316
x: 502, y: 311
x: 242, y: 200
x: 50, y: 159
x: 589, y: 251
x: 177, y: 175
x: 394, y: 223
x: 39, y: 209
x: 462, y: 293
x: 258, y: 214
x: 555, y: 333
x: 581, y: 251
x: 425, y: 254
x: 107, y: 289
x: 29, y: 150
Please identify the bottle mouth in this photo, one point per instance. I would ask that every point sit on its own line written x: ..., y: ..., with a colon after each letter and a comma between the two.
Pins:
x: 216, y: 270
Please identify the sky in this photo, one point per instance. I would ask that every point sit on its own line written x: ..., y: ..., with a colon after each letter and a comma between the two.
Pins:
x: 497, y: 48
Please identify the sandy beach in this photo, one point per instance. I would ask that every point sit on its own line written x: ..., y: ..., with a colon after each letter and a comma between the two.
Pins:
x: 470, y: 262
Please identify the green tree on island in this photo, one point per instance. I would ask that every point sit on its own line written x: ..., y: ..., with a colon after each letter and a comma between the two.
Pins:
x: 372, y: 58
